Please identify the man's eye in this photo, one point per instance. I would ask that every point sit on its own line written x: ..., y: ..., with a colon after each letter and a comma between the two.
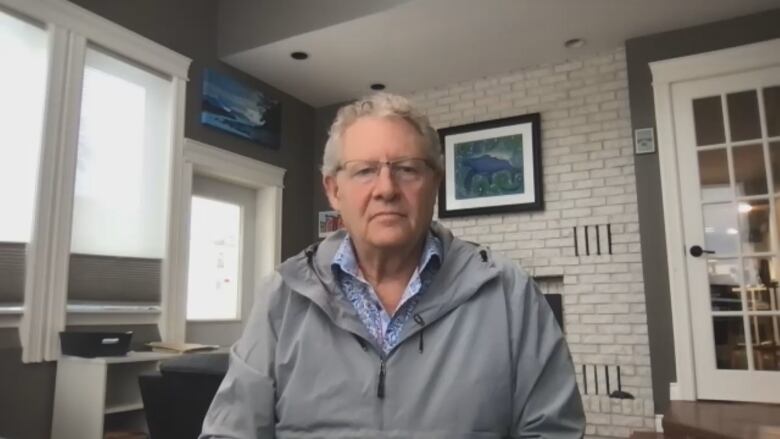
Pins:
x: 407, y: 170
x: 363, y: 172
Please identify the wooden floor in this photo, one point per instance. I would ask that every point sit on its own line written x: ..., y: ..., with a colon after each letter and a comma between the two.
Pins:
x: 721, y: 420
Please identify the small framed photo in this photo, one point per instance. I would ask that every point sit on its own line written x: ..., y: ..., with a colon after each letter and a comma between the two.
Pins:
x: 492, y: 167
x: 329, y: 221
x: 644, y: 141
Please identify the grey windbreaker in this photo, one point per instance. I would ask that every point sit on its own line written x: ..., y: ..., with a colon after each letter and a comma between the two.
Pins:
x: 482, y: 358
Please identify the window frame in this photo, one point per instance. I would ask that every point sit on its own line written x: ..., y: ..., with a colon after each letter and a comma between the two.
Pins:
x: 70, y: 29
x: 268, y: 182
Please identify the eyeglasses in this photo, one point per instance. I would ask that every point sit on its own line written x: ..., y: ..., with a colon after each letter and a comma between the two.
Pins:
x: 408, y: 170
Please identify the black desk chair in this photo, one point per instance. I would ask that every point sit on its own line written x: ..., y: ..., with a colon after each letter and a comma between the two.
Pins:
x: 177, y: 397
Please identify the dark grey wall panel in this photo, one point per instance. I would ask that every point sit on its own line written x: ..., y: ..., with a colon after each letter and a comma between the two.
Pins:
x: 26, y: 392
x: 639, y: 52
x: 323, y: 120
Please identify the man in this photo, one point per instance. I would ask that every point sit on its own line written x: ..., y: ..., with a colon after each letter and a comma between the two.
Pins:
x: 394, y: 328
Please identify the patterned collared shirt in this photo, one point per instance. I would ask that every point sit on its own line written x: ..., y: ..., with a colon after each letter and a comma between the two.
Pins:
x: 382, y: 326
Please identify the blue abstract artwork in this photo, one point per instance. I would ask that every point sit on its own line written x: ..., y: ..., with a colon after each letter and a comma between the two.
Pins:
x: 489, y: 167
x: 232, y: 107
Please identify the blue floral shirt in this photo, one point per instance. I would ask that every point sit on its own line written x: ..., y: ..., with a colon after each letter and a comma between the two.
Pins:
x: 381, y: 325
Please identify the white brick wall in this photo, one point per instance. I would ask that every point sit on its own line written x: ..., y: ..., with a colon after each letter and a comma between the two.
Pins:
x: 588, y: 168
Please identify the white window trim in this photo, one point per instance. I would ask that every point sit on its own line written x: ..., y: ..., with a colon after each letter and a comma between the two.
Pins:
x: 267, y: 180
x: 103, y: 32
x: 10, y: 315
x: 665, y: 74
x: 70, y: 29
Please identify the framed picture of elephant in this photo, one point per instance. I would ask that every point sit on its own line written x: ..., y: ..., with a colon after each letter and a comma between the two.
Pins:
x: 492, y: 167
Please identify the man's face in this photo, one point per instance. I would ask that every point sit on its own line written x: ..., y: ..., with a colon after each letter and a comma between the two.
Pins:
x: 386, y: 211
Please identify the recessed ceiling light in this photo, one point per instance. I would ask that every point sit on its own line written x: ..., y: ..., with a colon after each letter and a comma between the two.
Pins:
x: 574, y: 43
x: 299, y: 55
x: 377, y: 86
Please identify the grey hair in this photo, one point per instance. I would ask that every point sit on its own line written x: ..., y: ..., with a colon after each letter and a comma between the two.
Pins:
x: 380, y: 105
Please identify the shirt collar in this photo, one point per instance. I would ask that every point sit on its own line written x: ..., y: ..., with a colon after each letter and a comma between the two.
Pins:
x: 345, y: 260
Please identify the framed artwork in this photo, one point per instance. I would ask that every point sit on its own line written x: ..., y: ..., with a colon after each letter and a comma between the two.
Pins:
x: 235, y: 108
x: 329, y: 221
x: 492, y: 167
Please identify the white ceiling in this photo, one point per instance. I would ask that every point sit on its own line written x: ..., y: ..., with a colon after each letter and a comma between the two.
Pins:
x: 419, y: 44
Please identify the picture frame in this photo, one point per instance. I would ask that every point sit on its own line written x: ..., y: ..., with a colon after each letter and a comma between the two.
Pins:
x: 644, y: 141
x: 329, y: 221
x: 234, y: 108
x: 492, y: 167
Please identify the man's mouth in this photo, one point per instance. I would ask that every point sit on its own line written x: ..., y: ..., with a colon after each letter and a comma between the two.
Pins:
x: 386, y: 214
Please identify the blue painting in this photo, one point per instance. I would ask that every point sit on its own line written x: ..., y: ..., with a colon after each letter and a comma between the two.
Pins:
x: 489, y: 167
x: 232, y: 107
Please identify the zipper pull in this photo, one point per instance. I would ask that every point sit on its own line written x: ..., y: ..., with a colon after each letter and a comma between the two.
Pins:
x: 380, y: 388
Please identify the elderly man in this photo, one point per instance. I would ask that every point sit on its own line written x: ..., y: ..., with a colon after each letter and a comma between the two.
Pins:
x: 395, y: 328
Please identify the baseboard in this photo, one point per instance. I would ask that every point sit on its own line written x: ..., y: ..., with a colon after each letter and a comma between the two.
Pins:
x: 674, y: 392
x: 659, y: 423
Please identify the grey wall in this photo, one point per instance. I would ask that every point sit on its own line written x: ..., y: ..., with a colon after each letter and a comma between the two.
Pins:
x: 190, y: 28
x: 639, y: 52
x: 26, y: 392
x: 323, y: 118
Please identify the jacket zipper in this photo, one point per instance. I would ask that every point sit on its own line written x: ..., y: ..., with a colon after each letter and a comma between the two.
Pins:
x: 380, y: 387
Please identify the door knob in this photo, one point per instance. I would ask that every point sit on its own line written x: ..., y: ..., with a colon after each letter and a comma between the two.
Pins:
x: 697, y: 251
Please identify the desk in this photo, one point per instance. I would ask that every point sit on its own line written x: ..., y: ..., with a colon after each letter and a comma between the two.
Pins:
x: 96, y: 395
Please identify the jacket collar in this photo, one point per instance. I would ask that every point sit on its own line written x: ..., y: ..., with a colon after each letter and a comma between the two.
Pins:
x: 464, y: 269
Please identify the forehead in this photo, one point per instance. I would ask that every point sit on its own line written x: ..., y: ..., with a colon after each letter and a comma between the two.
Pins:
x: 372, y: 136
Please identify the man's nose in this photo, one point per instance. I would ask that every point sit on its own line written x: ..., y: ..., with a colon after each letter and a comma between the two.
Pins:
x: 385, y: 185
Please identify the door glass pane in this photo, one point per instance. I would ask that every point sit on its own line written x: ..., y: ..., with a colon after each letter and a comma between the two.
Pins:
x: 724, y: 284
x: 743, y: 115
x: 774, y: 153
x: 714, y: 175
x: 720, y: 228
x: 766, y: 342
x: 213, y: 287
x: 749, y: 170
x: 754, y: 226
x: 708, y: 121
x: 761, y: 284
x: 729, y: 342
x: 772, y: 107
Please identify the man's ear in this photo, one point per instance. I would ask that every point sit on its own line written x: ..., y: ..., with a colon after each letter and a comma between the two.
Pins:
x: 331, y: 187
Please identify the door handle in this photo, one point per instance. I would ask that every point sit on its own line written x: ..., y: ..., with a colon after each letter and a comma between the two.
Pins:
x: 697, y: 251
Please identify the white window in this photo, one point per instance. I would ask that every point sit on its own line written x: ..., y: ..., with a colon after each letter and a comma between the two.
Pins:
x: 23, y: 91
x: 215, y: 255
x: 123, y: 166
x: 91, y: 131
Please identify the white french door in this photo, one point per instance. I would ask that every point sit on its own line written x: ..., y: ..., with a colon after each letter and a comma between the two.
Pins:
x: 727, y: 137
